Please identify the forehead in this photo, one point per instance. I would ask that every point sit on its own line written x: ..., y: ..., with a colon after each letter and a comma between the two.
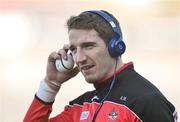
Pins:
x: 78, y: 36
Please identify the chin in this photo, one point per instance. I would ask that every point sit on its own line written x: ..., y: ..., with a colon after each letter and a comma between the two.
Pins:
x: 91, y: 79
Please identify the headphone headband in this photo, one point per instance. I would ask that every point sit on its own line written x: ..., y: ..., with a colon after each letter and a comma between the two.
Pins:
x: 116, y: 46
x: 109, y: 19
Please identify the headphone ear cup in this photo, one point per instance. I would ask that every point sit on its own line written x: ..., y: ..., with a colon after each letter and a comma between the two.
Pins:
x: 116, y: 47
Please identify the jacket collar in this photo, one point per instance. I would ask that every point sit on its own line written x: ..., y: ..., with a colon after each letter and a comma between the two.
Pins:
x: 106, y: 82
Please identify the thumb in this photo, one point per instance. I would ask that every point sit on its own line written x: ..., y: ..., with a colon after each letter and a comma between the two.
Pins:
x: 74, y: 72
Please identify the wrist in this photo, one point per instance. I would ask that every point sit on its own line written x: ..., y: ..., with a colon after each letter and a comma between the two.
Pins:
x: 52, y: 84
x: 47, y: 92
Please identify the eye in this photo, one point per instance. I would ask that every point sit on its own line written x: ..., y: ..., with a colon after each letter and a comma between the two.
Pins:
x: 89, y: 46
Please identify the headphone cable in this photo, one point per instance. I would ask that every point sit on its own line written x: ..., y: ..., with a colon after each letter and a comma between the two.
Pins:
x: 110, y: 88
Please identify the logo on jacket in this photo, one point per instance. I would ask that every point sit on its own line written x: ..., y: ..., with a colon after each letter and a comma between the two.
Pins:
x: 123, y: 98
x: 95, y: 98
x: 113, y: 115
x: 84, y: 115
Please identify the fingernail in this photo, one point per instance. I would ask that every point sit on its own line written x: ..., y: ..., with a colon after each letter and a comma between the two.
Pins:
x: 65, y: 57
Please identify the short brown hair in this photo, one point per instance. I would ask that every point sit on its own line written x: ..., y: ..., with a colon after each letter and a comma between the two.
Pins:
x: 88, y: 21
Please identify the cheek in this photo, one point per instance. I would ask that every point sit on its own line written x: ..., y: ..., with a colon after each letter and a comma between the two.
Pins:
x: 106, y: 62
x: 101, y: 58
x: 102, y: 61
x: 104, y: 57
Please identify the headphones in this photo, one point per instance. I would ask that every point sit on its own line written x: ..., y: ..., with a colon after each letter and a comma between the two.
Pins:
x: 116, y: 46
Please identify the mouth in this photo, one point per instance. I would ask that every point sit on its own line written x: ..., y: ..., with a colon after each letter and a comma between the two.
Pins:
x: 87, y: 68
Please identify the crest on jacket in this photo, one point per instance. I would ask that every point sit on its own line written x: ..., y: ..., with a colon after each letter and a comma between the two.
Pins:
x: 113, y: 115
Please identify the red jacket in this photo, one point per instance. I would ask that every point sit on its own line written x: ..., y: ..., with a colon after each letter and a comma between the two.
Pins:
x: 132, y: 99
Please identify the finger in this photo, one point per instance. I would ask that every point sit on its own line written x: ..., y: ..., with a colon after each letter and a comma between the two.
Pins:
x: 63, y: 53
x: 74, y: 72
x: 66, y: 47
x: 53, y: 56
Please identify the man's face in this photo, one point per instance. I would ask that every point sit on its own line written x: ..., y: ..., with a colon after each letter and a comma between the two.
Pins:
x: 91, y: 55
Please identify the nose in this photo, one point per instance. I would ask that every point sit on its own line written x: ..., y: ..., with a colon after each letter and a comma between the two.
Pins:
x: 80, y: 56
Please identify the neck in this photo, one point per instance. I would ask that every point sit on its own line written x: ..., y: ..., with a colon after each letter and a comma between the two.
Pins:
x: 110, y: 74
x: 119, y: 65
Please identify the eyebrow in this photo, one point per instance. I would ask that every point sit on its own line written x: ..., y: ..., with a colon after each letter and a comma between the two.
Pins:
x: 83, y: 44
x: 88, y: 43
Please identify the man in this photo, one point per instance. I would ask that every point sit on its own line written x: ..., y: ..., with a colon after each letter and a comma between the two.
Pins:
x: 120, y: 95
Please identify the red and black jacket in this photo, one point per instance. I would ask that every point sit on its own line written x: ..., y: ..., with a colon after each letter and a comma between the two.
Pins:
x: 131, y: 99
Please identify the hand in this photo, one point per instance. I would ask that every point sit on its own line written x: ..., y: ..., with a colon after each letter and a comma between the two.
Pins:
x: 52, y: 74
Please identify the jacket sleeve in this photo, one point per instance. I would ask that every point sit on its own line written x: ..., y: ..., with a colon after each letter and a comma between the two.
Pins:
x: 40, y: 112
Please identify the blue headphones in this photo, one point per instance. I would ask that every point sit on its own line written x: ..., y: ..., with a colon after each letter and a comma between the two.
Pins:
x: 116, y: 46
